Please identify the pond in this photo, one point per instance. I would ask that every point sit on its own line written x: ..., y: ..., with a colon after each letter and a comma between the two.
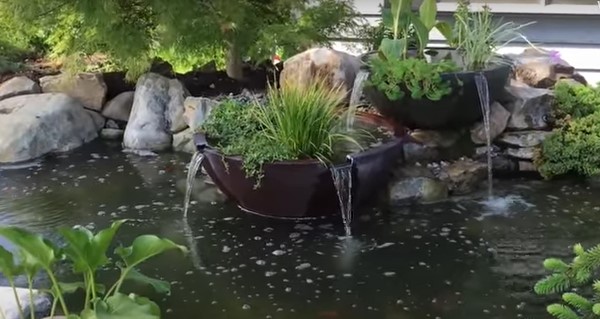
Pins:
x: 459, y: 259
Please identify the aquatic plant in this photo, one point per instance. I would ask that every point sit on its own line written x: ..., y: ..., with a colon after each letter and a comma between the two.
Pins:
x: 577, y: 282
x: 86, y: 254
x: 297, y: 122
x: 393, y: 71
x: 477, y: 36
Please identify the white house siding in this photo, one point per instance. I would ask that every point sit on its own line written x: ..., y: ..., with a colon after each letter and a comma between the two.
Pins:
x: 575, y: 35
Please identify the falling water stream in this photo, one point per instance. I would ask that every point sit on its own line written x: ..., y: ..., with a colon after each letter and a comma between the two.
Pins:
x: 357, y: 92
x: 342, y: 180
x: 194, y: 166
x: 484, y: 102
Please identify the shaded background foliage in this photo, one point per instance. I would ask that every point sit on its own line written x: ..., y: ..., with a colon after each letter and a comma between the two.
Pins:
x: 186, y: 33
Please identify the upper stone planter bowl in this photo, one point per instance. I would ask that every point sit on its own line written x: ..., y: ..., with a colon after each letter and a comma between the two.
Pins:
x: 458, y: 109
x: 303, y: 188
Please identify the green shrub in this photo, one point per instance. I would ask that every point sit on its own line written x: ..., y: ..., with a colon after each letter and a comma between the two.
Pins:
x: 574, y: 281
x: 574, y: 101
x: 573, y: 148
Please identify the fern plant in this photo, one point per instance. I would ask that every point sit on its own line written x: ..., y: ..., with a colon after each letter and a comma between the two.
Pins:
x: 573, y: 281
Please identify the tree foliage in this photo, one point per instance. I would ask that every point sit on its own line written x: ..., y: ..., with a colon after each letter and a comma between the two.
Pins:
x: 577, y: 282
x: 185, y: 32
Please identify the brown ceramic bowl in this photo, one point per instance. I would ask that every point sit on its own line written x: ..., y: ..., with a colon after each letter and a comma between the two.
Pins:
x: 303, y: 188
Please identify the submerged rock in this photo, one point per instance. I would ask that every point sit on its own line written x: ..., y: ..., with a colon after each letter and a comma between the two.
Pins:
x: 463, y: 176
x: 119, y: 108
x: 418, y: 190
x: 42, y: 304
x: 37, y: 124
x: 156, y: 114
x: 19, y: 85
x: 530, y: 108
x: 88, y: 88
x: 498, y: 120
x: 339, y: 68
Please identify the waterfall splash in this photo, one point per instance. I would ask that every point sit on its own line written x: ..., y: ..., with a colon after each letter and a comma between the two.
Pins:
x: 342, y: 180
x: 194, y: 166
x: 357, y: 92
x: 484, y: 102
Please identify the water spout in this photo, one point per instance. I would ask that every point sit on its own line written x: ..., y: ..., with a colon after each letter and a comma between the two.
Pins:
x: 342, y: 180
x: 484, y: 102
x: 194, y: 166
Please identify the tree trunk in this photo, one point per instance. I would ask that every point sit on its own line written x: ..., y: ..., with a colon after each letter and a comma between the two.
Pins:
x: 234, y: 62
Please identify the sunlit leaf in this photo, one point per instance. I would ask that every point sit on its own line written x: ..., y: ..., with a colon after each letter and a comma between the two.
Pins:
x: 392, y: 48
x: 121, y: 306
x: 35, y: 252
x: 428, y: 13
x: 145, y: 247
x: 8, y: 267
x: 446, y: 30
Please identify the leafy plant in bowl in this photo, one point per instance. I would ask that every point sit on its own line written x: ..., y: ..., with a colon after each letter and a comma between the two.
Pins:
x: 85, y: 252
x: 419, y: 90
x: 275, y: 158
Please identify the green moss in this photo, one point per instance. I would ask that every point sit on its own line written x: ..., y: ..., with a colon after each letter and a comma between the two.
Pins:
x: 574, y: 101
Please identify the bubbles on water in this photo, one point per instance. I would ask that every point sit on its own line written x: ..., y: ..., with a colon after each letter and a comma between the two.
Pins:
x: 504, y: 205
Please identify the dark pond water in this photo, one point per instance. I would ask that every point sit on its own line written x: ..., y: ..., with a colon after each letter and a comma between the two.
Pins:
x: 460, y: 259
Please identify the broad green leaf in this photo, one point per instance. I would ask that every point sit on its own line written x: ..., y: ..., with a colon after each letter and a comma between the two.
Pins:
x: 392, y: 48
x: 35, y: 252
x: 8, y: 267
x: 160, y: 286
x: 121, y: 306
x: 72, y: 287
x: 428, y: 13
x: 145, y: 247
x: 387, y: 18
x: 86, y: 250
x: 446, y: 30
x: 422, y: 33
x: 398, y: 8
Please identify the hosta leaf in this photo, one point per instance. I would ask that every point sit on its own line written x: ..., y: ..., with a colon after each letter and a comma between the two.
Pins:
x: 121, y: 306
x: 145, y: 247
x: 160, y: 286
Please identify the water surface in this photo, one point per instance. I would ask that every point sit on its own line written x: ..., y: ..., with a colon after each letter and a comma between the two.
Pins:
x: 461, y: 259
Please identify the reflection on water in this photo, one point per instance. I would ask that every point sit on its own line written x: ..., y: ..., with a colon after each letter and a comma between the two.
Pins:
x: 463, y: 259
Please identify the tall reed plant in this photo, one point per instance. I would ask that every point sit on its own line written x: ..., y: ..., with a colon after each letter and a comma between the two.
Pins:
x: 306, y: 119
x: 478, y: 36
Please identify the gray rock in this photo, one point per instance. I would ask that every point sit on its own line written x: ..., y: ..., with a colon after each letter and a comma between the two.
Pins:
x: 339, y: 68
x: 527, y: 166
x: 37, y: 124
x: 19, y: 85
x: 119, y: 108
x: 523, y: 138
x: 526, y: 153
x: 463, y: 176
x: 530, y: 108
x: 498, y: 120
x: 42, y: 303
x: 112, y: 134
x: 415, y: 152
x: 197, y: 110
x: 112, y: 124
x: 99, y: 120
x: 156, y: 114
x: 418, y: 190
x: 442, y: 139
x: 184, y: 141
x: 541, y: 68
x: 88, y: 88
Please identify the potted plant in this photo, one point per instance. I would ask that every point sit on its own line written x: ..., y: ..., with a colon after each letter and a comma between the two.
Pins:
x: 274, y: 159
x: 437, y: 89
x: 85, y: 253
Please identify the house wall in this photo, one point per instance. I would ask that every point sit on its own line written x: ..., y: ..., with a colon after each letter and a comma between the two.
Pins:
x: 575, y: 34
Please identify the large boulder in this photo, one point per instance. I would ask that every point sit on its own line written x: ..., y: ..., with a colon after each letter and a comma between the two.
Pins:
x: 156, y: 114
x: 19, y: 85
x: 339, y: 68
x: 463, y: 176
x: 34, y: 125
x: 197, y: 110
x: 88, y: 88
x: 184, y: 141
x: 498, y: 120
x: 542, y: 68
x: 119, y: 108
x: 41, y: 306
x: 530, y: 108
